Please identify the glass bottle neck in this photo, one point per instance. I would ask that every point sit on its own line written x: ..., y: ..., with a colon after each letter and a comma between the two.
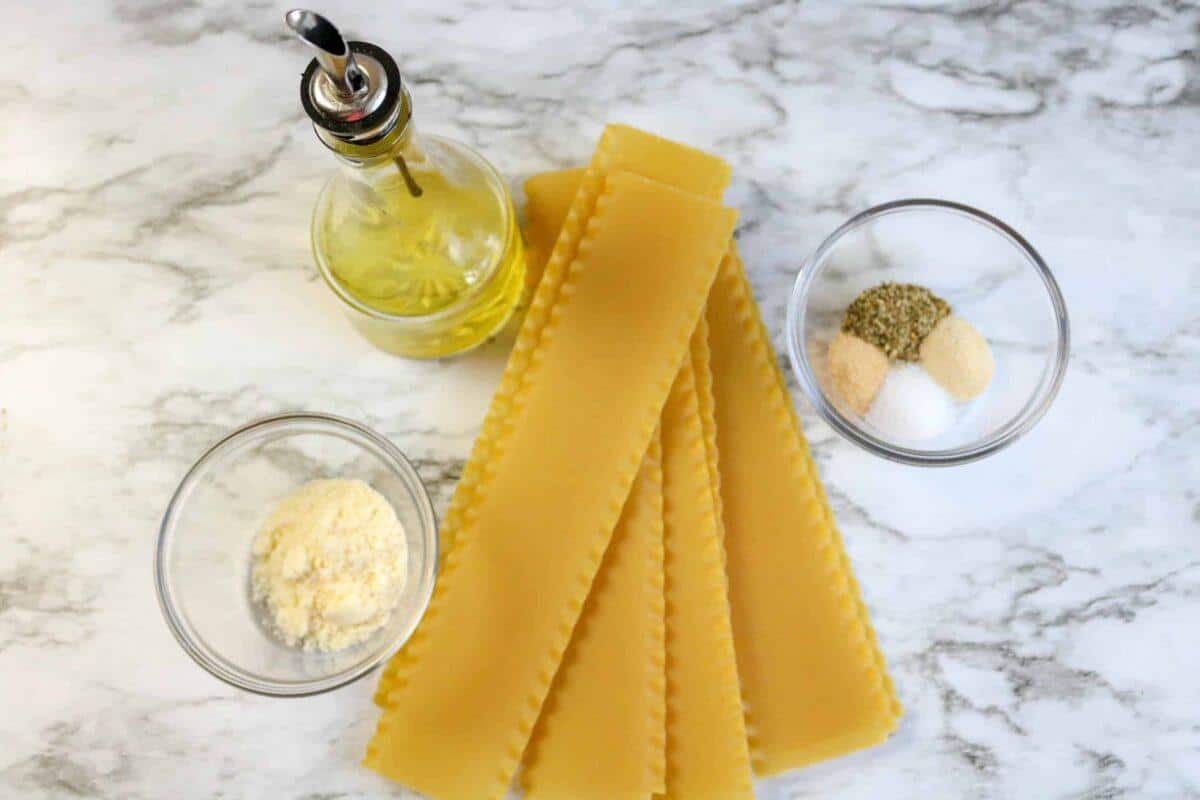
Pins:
x: 400, y: 141
x: 399, y: 150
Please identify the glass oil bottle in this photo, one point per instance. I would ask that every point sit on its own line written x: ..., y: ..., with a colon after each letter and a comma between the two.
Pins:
x: 415, y: 234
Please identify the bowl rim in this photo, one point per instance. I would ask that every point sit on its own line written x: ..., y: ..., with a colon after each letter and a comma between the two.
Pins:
x: 182, y: 632
x: 1035, y: 407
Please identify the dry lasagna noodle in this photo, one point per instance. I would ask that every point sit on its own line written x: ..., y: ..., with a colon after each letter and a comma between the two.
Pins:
x: 706, y: 742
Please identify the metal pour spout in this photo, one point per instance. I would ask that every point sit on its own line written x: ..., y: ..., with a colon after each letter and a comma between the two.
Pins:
x: 333, y: 54
x: 352, y: 91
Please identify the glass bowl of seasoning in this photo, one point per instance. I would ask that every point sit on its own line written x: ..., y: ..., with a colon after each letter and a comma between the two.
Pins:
x: 298, y: 553
x: 928, y: 332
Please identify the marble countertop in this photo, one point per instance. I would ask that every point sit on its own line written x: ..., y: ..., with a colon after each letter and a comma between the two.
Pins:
x: 1039, y: 610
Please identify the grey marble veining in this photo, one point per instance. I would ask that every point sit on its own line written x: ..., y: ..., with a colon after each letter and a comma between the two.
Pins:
x: 1039, y: 611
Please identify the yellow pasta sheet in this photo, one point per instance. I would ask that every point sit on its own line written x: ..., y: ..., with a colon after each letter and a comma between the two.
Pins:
x: 601, y: 734
x: 549, y: 199
x: 812, y: 674
x: 707, y: 753
x: 577, y: 751
x: 811, y: 671
x: 634, y: 266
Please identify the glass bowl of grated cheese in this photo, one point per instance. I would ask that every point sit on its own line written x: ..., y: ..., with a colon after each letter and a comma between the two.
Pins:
x: 279, y: 481
x: 983, y: 293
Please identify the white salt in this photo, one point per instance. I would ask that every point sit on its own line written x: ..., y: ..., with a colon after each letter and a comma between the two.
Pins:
x: 911, y: 405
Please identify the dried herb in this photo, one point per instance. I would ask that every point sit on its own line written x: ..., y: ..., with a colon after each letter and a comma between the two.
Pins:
x: 895, y: 317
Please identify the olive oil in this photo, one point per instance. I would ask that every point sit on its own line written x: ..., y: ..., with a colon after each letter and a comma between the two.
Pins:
x: 430, y: 257
x: 415, y: 234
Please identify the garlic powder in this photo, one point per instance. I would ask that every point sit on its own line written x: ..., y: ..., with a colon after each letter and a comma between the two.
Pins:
x: 329, y: 564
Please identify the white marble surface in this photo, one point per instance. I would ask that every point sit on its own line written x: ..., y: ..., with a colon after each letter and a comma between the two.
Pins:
x: 1040, y: 611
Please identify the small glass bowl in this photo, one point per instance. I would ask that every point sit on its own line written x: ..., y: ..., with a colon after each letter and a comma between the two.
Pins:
x: 991, y: 277
x: 203, y: 559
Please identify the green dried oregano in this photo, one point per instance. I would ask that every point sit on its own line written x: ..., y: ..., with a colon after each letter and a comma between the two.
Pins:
x: 895, y: 317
